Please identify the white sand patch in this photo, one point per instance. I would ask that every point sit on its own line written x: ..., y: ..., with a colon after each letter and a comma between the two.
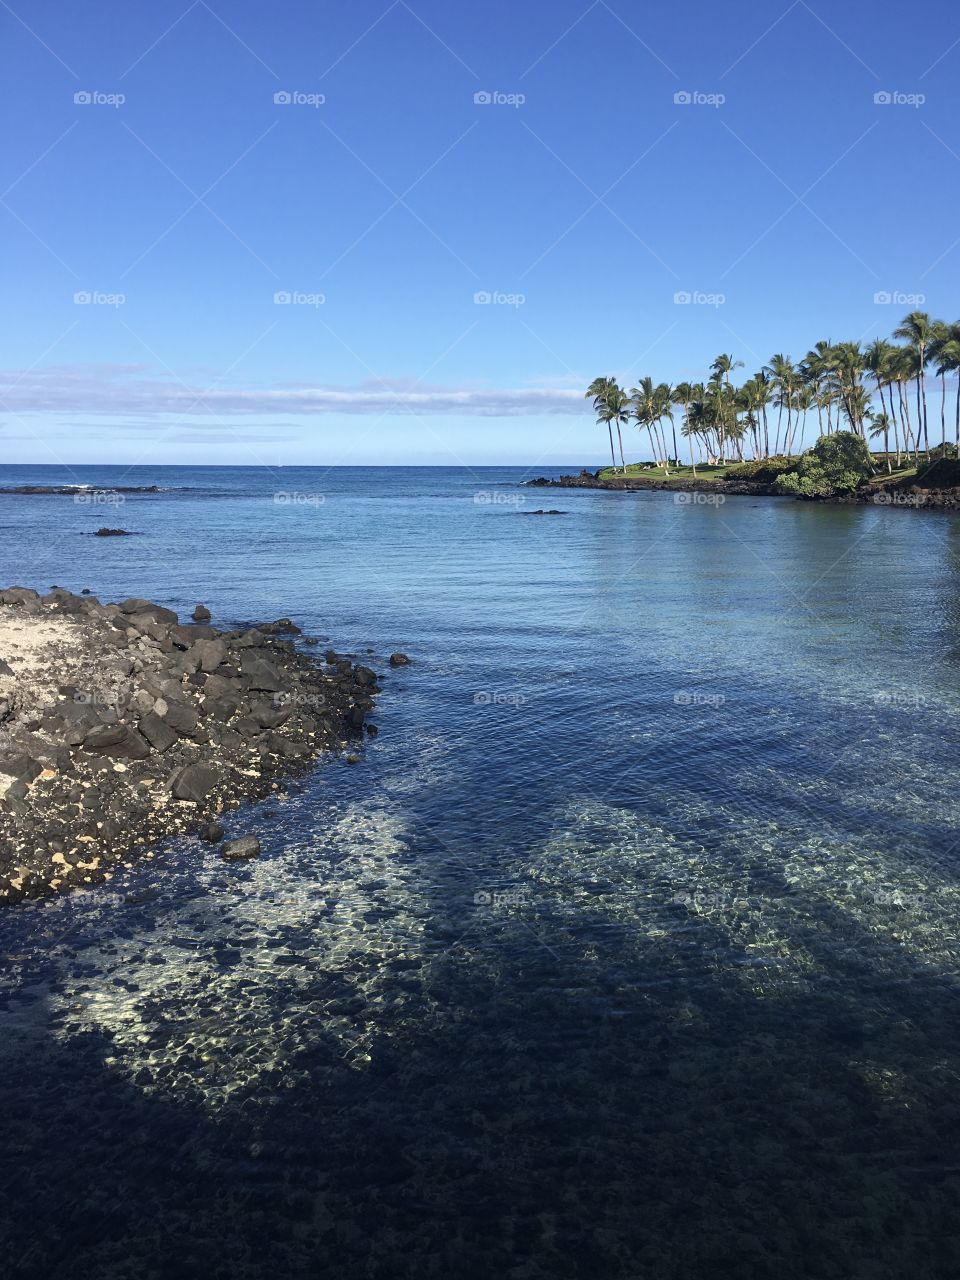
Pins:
x: 31, y: 647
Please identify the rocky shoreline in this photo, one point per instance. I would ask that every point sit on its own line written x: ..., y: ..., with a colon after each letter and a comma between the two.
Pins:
x: 119, y: 726
x: 901, y: 494
x: 680, y: 484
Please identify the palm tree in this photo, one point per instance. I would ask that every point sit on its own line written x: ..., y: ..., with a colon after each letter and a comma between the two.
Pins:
x: 703, y: 418
x: 814, y: 370
x: 721, y: 370
x: 781, y: 373
x: 876, y: 360
x: 846, y: 374
x: 651, y: 404
x: 945, y: 354
x: 663, y: 408
x: 880, y: 426
x: 641, y: 405
x: 609, y: 405
x: 806, y: 398
x: 951, y: 353
x: 903, y: 369
x: 753, y: 397
x: 618, y: 411
x: 763, y: 393
x: 682, y: 395
x: 597, y: 391
x: 918, y: 332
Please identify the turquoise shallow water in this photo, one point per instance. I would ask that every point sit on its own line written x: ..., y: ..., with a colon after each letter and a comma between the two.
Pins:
x: 631, y: 948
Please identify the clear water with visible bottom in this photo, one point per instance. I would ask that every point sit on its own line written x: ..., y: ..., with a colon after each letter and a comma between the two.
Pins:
x: 630, y: 949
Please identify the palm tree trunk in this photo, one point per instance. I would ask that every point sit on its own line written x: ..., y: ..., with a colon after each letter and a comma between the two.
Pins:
x: 623, y: 465
x: 908, y: 425
x: 883, y: 410
x: 943, y: 405
x: 663, y: 448
x: 613, y: 456
x: 922, y: 412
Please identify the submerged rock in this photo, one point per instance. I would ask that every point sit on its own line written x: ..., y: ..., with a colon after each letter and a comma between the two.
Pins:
x: 237, y: 850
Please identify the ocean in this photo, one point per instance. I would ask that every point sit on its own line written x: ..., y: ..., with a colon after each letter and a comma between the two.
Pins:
x: 629, y: 949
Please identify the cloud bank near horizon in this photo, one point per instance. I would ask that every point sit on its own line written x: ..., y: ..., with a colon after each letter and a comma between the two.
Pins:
x: 130, y: 389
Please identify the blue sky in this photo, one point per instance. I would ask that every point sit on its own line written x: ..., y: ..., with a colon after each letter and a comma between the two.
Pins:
x: 783, y: 198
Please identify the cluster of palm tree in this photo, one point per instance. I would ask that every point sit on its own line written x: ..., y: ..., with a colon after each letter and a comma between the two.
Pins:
x: 768, y: 414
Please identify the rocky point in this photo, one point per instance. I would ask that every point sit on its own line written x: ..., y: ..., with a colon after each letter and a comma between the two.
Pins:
x: 120, y: 726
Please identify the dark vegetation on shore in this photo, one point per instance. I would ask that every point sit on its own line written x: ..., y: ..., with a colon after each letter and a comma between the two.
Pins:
x: 826, y: 473
x: 119, y: 726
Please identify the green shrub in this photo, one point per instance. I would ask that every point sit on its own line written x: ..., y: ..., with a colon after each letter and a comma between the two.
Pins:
x: 838, y: 463
x: 763, y: 470
x: 944, y: 473
x: 943, y: 451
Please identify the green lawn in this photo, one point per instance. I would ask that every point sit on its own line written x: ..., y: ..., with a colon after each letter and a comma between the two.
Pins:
x: 636, y: 469
x: 901, y: 473
x: 704, y: 472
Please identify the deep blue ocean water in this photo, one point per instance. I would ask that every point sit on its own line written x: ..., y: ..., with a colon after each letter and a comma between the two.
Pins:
x: 630, y: 949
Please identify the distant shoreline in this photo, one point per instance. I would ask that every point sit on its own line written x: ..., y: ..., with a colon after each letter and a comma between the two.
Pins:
x: 898, y: 494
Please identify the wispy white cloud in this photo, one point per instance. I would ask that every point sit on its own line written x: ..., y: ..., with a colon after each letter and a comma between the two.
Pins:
x: 131, y: 389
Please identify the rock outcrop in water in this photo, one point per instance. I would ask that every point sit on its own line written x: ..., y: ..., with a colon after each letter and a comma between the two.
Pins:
x: 73, y: 490
x: 120, y: 726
